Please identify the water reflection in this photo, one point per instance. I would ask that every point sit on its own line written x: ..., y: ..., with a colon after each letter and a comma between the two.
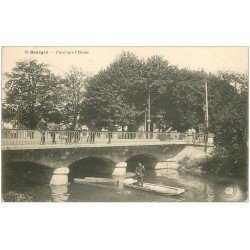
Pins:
x: 59, y: 193
x: 201, y: 187
x: 198, y: 188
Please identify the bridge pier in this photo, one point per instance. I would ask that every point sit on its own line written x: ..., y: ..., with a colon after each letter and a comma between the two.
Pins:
x: 120, y: 168
x: 60, y: 176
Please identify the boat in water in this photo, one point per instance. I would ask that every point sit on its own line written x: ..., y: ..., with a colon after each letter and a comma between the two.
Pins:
x: 153, y: 188
x: 96, y: 180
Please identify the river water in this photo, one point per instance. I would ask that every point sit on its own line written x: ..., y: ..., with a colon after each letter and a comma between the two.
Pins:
x: 201, y: 188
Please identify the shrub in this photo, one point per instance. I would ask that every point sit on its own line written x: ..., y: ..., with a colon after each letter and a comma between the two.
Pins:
x: 12, y: 196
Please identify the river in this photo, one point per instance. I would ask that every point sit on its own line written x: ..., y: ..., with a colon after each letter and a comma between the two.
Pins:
x: 199, y: 188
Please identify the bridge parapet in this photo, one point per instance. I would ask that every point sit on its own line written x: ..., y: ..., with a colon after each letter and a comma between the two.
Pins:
x: 65, y: 137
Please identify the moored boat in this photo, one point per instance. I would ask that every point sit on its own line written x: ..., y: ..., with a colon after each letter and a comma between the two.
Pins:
x: 96, y: 180
x: 153, y: 188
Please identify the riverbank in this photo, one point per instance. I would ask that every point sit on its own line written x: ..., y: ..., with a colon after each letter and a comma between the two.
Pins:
x: 191, y: 159
x: 214, y: 162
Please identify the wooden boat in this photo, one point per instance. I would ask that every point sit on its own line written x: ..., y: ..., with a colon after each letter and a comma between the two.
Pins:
x: 153, y: 188
x: 96, y: 180
x: 99, y: 185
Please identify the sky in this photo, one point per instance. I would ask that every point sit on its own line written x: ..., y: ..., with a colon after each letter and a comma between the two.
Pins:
x: 93, y: 59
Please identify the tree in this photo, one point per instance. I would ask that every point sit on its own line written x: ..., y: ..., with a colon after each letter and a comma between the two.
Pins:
x: 177, y: 94
x: 71, y: 95
x: 111, y: 96
x: 185, y: 99
x: 30, y: 94
x: 229, y: 123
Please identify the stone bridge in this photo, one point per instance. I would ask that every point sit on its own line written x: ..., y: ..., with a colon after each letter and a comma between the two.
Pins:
x: 116, y: 153
x: 116, y: 159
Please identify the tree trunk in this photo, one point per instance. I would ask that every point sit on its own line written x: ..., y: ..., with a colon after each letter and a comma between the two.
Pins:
x: 74, y: 122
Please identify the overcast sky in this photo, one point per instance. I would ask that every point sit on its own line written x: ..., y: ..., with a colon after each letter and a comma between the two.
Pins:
x: 92, y: 59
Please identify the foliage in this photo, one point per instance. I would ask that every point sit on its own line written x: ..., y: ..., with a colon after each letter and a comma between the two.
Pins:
x: 31, y: 94
x: 119, y: 94
x: 111, y: 96
x: 225, y: 162
x: 71, y: 96
x: 230, y: 125
x: 13, y: 196
x: 182, y: 99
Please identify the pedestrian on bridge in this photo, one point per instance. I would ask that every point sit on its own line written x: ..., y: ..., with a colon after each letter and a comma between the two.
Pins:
x: 69, y: 134
x: 91, y: 127
x: 53, y: 128
x: 111, y: 129
x: 42, y: 127
x: 78, y: 130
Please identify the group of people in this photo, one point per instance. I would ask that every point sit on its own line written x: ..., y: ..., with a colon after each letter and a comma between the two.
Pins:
x: 65, y: 132
x: 53, y: 128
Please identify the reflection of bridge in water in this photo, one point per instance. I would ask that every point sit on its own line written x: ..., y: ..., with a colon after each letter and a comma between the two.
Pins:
x: 60, y: 156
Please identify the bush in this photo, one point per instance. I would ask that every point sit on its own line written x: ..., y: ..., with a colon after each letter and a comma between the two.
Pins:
x: 224, y: 162
x: 12, y: 196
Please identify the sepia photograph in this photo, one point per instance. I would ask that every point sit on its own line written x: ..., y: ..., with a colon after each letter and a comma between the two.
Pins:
x: 124, y: 124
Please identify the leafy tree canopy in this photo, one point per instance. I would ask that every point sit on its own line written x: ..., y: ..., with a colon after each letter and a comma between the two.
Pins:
x: 30, y: 94
x: 111, y: 96
x: 71, y: 96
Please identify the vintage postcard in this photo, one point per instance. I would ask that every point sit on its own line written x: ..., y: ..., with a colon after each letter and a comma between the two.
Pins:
x: 125, y: 124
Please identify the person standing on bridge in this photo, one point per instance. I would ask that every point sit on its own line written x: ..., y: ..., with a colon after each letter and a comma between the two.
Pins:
x: 139, y: 174
x: 91, y: 128
x: 69, y: 134
x: 111, y: 129
x: 77, y: 133
x: 42, y: 127
x: 54, y: 129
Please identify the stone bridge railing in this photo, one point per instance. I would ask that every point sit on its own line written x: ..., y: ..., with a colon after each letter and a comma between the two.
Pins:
x: 64, y: 137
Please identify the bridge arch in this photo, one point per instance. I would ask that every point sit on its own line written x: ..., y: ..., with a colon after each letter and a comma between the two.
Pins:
x: 25, y: 173
x: 93, y: 166
x: 148, y: 160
